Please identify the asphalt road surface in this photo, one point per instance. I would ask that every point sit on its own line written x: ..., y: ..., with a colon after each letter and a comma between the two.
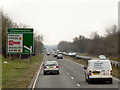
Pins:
x: 72, y: 75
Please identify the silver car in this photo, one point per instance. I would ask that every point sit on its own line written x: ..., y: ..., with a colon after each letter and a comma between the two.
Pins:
x: 59, y: 56
x: 51, y: 67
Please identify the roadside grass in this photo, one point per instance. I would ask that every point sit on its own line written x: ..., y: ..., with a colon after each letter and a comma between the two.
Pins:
x: 116, y: 59
x: 116, y: 72
x: 84, y: 62
x: 19, y: 73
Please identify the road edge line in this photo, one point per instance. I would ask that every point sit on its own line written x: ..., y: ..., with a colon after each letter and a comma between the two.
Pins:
x: 34, y: 83
x: 75, y: 62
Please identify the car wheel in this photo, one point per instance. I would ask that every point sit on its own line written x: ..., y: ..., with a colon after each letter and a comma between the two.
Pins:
x: 86, y: 80
x: 44, y: 73
x: 57, y: 72
x: 89, y: 81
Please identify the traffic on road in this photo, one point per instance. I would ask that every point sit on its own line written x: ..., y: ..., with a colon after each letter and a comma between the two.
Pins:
x: 57, y: 73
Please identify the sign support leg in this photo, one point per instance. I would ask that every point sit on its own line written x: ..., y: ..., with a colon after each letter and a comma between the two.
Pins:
x: 9, y: 56
x: 30, y: 57
x: 20, y: 57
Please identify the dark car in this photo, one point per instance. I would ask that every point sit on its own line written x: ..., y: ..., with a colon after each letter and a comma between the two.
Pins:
x: 55, y: 55
x: 48, y: 53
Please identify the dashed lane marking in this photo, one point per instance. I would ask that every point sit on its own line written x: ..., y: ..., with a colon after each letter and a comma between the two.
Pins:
x: 78, y: 85
x: 72, y: 78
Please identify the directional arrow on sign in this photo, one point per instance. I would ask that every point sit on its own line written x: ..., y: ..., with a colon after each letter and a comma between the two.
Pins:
x: 29, y: 48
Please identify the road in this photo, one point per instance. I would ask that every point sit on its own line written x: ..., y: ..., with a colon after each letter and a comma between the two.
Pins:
x: 71, y: 76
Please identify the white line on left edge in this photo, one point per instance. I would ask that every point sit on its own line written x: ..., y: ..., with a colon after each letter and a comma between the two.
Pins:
x: 78, y: 84
x: 38, y: 74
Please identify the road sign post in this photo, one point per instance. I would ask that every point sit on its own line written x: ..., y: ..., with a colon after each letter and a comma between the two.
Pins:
x: 19, y: 56
x: 20, y: 41
x: 9, y: 56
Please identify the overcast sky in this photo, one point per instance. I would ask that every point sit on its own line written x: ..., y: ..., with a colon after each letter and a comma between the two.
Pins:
x: 59, y: 20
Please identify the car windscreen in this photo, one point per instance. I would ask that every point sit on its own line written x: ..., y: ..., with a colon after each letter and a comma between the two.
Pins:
x: 59, y: 54
x: 101, y: 66
x: 51, y: 64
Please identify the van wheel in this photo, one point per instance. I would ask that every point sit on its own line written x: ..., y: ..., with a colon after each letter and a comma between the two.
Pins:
x: 86, y: 80
x: 111, y: 81
x: 89, y: 81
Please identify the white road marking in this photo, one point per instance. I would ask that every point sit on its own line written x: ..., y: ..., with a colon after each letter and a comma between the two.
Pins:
x: 67, y: 73
x: 78, y: 85
x: 38, y: 74
x: 116, y: 79
x: 75, y: 62
x: 71, y: 77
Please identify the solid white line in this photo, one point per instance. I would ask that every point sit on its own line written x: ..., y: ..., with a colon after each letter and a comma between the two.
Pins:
x: 38, y: 74
x: 75, y: 62
x: 67, y: 73
x: 71, y: 77
x: 116, y: 79
x: 78, y: 84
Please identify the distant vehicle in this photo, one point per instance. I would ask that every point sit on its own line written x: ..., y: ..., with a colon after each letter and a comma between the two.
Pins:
x: 59, y: 52
x: 98, y: 70
x: 64, y: 53
x: 73, y: 54
x: 51, y: 67
x: 59, y: 56
x: 70, y: 54
x: 102, y: 57
x: 48, y: 53
x: 55, y: 54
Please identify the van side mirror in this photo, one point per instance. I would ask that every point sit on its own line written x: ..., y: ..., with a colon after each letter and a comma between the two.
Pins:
x: 85, y: 67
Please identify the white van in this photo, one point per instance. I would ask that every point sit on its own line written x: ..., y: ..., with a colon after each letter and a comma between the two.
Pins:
x: 98, y: 70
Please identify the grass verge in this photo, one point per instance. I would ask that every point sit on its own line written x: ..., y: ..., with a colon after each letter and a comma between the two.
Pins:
x: 18, y: 74
x: 84, y: 62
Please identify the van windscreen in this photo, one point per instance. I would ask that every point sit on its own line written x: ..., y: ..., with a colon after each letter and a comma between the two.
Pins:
x: 101, y: 65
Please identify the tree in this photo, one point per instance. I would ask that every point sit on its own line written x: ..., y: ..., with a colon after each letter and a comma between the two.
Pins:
x: 96, y: 44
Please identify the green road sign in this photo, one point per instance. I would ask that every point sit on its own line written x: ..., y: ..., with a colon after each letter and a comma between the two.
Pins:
x: 20, y: 41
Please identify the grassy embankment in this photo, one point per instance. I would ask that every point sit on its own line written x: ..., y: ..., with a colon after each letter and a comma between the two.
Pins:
x: 111, y: 58
x: 84, y: 62
x: 19, y: 73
